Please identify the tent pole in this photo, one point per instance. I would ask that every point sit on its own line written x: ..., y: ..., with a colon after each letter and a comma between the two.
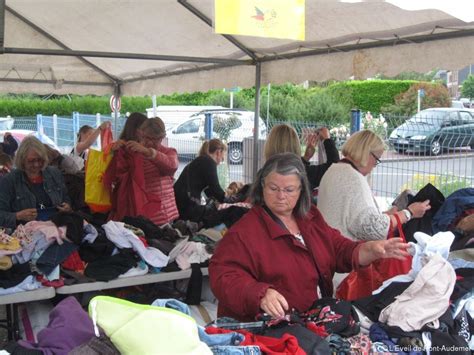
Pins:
x: 2, y: 25
x: 256, y: 124
x: 117, y: 97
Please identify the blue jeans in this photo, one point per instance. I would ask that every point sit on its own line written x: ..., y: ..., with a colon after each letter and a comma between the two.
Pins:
x: 227, y: 340
x: 236, y: 350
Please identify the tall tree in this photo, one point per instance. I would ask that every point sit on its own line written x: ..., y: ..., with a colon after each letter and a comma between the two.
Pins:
x: 468, y: 87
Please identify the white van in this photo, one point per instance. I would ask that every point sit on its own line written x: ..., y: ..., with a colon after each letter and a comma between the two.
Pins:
x: 232, y: 126
x: 174, y: 115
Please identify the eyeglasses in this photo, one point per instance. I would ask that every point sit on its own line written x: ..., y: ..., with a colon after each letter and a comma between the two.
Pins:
x: 287, y: 191
x: 377, y: 159
x: 35, y: 161
x: 153, y: 139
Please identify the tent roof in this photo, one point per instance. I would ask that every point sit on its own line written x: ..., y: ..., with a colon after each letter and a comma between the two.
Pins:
x: 164, y: 46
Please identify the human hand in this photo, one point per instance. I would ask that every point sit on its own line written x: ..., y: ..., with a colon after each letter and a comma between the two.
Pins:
x: 273, y: 303
x: 389, y: 248
x: 418, y: 209
x: 323, y: 133
x: 27, y: 215
x: 382, y: 249
x: 117, y: 145
x: 310, y: 146
x: 64, y: 207
x: 104, y: 125
x: 139, y: 148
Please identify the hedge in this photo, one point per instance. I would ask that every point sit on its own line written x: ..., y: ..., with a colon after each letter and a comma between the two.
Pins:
x: 287, y: 101
x: 369, y: 95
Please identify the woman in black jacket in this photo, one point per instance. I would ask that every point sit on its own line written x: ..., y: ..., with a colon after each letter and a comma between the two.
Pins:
x: 200, y: 176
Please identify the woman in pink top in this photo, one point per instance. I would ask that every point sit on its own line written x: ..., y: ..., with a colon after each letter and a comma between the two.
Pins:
x: 159, y: 166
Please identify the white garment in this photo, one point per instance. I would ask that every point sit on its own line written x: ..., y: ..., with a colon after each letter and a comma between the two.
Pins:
x: 124, y: 238
x: 347, y: 203
x: 322, y: 157
x: 422, y: 251
x: 90, y: 233
x: 135, y: 271
x: 425, y: 300
x: 192, y: 253
x: 179, y: 246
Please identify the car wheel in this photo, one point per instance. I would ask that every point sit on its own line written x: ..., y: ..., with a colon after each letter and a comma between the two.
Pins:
x: 236, y: 153
x: 435, y: 147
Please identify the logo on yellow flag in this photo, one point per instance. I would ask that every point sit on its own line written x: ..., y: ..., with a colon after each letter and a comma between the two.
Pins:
x: 261, y: 18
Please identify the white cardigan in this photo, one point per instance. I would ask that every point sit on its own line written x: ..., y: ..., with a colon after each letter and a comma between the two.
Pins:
x: 347, y: 203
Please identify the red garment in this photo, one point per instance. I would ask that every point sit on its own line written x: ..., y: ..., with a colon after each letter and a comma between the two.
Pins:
x: 159, y: 173
x: 257, y: 253
x: 286, y: 345
x: 129, y: 194
x: 47, y: 283
x: 74, y: 263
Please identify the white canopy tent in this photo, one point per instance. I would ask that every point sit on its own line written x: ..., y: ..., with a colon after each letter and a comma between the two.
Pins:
x: 165, y: 46
x: 139, y: 47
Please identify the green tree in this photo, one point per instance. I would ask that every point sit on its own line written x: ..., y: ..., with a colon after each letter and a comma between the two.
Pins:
x: 468, y: 87
x: 436, y: 95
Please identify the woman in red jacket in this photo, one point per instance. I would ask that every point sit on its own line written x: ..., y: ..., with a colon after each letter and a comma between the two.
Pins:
x: 274, y: 257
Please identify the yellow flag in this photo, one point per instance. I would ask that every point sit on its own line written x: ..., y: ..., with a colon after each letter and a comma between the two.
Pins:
x: 261, y: 18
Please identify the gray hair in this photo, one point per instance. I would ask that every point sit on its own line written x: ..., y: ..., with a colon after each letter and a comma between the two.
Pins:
x: 30, y: 143
x: 284, y: 164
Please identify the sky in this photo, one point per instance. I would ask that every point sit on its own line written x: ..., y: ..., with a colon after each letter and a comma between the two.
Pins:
x: 462, y: 9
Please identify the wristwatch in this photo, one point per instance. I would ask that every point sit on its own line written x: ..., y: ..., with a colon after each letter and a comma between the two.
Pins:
x: 407, y: 213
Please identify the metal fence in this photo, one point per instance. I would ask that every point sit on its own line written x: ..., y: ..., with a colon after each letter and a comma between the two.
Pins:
x: 63, y: 130
x: 432, y: 147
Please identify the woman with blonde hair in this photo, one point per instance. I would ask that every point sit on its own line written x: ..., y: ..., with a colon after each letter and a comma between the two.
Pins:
x: 346, y: 200
x: 198, y: 177
x: 284, y: 139
x: 32, y: 188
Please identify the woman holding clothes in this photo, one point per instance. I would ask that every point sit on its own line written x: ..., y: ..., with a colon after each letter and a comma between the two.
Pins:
x: 33, y: 190
x: 284, y: 139
x: 273, y: 258
x: 141, y: 174
x: 200, y: 176
x: 346, y: 200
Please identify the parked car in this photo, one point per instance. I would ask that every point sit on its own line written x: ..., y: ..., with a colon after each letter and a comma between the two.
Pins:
x: 20, y: 134
x: 435, y: 130
x: 232, y: 126
x: 457, y: 104
x: 6, y: 122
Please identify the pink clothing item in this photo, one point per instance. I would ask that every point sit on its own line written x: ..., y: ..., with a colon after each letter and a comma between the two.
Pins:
x: 159, y: 172
x: 49, y: 229
x: 223, y: 206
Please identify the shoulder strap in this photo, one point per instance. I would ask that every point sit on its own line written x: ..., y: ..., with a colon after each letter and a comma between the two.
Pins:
x: 401, y: 234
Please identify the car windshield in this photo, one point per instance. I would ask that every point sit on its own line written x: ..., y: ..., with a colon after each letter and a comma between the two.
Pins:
x: 434, y: 118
